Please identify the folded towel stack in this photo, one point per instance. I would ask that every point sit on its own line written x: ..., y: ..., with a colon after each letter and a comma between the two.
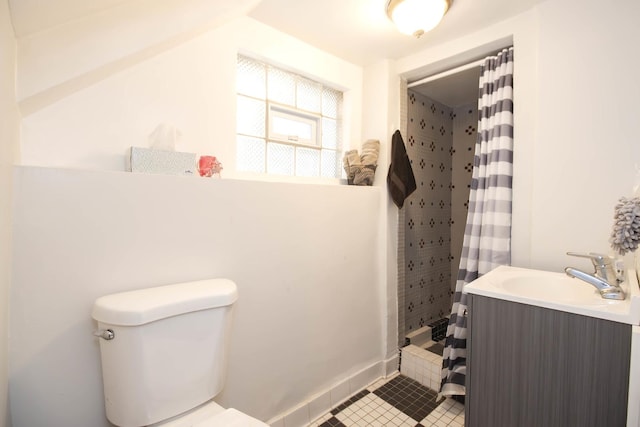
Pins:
x: 361, y: 169
x: 352, y: 164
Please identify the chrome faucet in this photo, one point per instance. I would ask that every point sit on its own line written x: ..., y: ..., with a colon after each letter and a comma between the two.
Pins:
x: 604, y: 278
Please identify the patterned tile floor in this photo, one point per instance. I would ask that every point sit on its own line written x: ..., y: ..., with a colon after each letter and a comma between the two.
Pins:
x: 395, y: 401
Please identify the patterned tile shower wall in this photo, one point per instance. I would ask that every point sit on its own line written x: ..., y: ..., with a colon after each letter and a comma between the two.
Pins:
x: 438, y: 141
x: 428, y: 212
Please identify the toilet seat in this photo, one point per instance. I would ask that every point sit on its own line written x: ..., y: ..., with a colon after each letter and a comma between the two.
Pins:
x: 211, y: 414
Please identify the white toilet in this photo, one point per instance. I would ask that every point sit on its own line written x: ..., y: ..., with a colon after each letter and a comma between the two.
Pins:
x: 164, y: 355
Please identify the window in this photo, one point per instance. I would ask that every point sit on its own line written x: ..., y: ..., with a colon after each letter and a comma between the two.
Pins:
x: 286, y: 124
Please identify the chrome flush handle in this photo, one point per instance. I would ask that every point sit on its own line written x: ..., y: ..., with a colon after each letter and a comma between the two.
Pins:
x: 105, y: 334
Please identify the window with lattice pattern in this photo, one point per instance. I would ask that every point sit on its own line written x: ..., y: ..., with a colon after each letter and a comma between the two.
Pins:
x: 287, y: 124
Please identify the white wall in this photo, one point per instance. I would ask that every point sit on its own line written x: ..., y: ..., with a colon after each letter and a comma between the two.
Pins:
x: 191, y: 86
x: 313, y: 305
x: 587, y: 145
x: 381, y: 117
x: 576, y: 108
x: 90, y: 46
x: 304, y: 258
x: 9, y: 134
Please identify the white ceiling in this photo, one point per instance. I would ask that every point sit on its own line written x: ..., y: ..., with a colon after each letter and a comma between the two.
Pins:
x: 358, y: 31
x: 31, y: 16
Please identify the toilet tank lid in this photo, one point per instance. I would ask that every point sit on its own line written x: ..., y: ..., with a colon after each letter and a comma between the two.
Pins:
x: 147, y: 305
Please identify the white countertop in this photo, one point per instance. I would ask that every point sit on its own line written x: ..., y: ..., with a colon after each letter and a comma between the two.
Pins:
x: 557, y: 291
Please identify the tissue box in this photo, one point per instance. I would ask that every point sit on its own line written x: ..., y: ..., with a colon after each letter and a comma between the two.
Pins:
x: 149, y: 160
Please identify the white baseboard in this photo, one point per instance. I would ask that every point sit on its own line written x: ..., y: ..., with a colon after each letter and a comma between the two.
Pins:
x: 315, y: 407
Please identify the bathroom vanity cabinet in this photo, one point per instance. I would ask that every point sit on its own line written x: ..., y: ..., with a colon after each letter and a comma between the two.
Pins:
x: 535, y: 366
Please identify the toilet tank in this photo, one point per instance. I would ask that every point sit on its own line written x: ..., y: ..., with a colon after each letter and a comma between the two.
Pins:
x: 168, y: 352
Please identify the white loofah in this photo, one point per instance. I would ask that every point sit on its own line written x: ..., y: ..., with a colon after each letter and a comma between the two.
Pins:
x: 626, y: 228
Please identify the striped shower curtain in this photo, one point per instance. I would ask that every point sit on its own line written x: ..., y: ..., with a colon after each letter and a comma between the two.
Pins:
x: 487, y: 236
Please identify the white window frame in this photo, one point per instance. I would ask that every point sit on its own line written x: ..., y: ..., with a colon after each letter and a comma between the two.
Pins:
x: 312, y: 120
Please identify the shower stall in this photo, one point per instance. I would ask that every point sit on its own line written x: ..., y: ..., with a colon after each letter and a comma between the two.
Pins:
x: 442, y: 121
x: 440, y: 231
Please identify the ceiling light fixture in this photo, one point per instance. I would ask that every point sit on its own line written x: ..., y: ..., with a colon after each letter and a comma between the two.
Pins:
x: 416, y: 17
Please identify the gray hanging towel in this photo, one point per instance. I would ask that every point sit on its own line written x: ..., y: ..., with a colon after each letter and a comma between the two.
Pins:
x: 400, y: 180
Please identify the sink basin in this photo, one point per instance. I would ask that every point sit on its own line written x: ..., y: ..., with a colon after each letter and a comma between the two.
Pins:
x: 559, y: 292
x: 561, y: 288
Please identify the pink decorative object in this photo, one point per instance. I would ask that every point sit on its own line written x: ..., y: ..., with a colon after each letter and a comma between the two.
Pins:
x: 208, y: 166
